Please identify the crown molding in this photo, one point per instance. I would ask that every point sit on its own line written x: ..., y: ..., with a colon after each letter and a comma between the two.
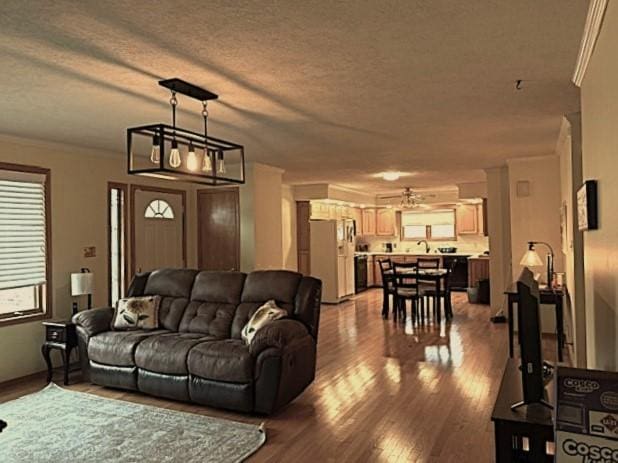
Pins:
x: 594, y: 20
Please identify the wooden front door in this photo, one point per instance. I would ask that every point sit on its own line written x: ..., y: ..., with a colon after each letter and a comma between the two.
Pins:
x: 218, y: 229
x: 158, y: 234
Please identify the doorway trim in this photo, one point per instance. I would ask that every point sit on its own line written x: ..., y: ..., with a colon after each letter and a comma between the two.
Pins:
x: 157, y: 189
x: 205, y: 191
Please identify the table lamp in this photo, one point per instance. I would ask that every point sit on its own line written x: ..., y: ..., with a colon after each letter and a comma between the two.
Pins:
x: 82, y: 284
x: 532, y: 259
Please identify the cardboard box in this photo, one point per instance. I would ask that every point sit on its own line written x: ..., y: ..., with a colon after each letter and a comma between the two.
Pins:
x: 586, y: 416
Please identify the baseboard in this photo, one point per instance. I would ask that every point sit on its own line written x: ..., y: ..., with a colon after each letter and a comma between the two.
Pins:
x: 39, y: 374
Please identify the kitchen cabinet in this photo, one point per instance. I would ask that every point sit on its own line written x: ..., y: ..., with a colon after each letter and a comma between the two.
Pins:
x: 357, y: 216
x: 319, y: 210
x: 478, y: 269
x: 385, y: 222
x: 468, y: 219
x: 303, y: 239
x: 369, y: 222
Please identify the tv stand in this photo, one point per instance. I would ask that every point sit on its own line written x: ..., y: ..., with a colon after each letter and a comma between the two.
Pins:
x: 521, y: 434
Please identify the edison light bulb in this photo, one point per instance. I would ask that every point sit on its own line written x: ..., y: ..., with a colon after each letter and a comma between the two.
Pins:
x: 221, y: 164
x: 207, y: 164
x: 192, y: 163
x: 175, y: 160
x: 154, y: 153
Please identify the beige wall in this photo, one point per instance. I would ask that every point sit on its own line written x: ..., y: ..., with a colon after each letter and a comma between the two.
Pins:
x: 536, y: 217
x: 288, y: 232
x: 79, y: 218
x: 499, y: 228
x: 599, y: 101
x: 568, y: 149
x: 261, y: 227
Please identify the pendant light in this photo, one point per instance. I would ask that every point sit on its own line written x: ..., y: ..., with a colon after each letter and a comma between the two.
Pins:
x: 192, y: 162
x: 155, y: 153
x: 177, y: 164
x: 221, y: 163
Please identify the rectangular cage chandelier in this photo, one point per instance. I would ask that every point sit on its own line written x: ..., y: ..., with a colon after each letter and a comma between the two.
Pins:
x: 173, y: 153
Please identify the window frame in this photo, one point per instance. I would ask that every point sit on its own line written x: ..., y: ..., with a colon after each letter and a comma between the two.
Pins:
x: 428, y: 235
x: 46, y: 312
x: 124, y: 188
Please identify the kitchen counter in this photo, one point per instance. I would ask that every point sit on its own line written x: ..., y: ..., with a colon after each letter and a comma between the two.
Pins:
x: 471, y: 255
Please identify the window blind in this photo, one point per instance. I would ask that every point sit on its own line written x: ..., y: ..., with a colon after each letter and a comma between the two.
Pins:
x: 22, y: 232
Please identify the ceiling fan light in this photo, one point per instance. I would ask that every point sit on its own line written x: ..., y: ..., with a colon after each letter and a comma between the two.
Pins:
x: 391, y: 176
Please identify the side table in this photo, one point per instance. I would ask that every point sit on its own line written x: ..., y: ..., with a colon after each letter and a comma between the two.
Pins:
x: 61, y: 335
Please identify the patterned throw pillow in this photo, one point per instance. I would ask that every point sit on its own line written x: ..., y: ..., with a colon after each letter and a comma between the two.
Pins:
x: 137, y: 313
x: 269, y: 312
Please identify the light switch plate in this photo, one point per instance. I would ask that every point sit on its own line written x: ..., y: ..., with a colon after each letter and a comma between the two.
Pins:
x: 90, y: 251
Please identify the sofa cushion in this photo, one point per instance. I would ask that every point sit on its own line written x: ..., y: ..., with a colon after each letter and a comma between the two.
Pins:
x: 224, y: 287
x: 117, y: 348
x: 170, y: 282
x: 227, y: 360
x: 174, y: 286
x: 212, y: 318
x: 214, y: 298
x: 168, y: 352
x: 262, y: 286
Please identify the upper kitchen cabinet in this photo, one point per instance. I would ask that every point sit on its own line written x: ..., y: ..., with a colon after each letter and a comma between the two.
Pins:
x: 386, y: 222
x: 369, y: 222
x: 319, y: 210
x: 357, y: 215
x: 469, y: 219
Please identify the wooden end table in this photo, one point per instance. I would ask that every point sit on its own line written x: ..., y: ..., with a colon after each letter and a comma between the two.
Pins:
x: 61, y: 335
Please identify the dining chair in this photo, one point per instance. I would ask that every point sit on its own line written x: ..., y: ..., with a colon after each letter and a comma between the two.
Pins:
x: 448, y: 304
x: 386, y: 270
x: 428, y: 287
x: 406, y: 283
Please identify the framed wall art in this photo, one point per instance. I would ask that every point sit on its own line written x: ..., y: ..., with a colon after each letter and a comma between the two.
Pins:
x: 587, y: 206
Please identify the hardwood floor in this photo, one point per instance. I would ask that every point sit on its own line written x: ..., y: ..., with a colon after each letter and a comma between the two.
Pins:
x: 384, y: 391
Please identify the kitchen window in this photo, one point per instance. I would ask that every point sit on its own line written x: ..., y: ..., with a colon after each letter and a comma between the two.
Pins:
x: 25, y: 259
x: 437, y: 225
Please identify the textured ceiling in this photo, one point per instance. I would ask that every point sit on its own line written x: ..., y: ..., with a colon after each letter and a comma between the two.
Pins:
x: 329, y: 91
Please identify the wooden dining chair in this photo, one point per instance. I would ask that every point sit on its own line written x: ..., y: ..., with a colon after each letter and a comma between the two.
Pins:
x: 428, y: 287
x: 448, y: 304
x: 388, y: 289
x: 406, y: 283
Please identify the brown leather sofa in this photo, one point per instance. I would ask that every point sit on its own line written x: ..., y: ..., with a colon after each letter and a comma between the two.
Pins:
x: 197, y: 354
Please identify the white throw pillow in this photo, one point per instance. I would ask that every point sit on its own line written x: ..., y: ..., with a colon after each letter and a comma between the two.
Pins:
x: 137, y: 313
x: 267, y: 313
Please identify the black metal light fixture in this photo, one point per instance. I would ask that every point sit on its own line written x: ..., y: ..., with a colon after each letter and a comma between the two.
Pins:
x: 156, y: 150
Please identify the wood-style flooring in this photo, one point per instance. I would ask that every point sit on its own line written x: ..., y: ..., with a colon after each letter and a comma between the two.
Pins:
x: 384, y: 391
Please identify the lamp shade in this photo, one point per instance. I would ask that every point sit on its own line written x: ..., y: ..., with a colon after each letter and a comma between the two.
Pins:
x: 81, y: 283
x: 531, y: 259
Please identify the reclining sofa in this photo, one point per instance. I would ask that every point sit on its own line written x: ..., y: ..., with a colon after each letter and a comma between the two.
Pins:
x: 197, y: 353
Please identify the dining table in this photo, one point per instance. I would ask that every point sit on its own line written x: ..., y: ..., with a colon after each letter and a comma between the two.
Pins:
x: 437, y: 276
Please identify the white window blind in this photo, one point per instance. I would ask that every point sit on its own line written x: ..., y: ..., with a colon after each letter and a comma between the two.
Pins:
x: 22, y: 230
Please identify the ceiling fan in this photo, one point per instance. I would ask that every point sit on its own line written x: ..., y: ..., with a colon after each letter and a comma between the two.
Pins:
x: 410, y: 199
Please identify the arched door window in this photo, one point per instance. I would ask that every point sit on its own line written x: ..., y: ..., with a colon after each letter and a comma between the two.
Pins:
x: 159, y: 209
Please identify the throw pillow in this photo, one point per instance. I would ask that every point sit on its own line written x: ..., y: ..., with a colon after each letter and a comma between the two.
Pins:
x: 137, y: 313
x: 267, y: 313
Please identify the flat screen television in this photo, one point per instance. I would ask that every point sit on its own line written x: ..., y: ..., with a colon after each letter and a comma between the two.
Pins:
x: 531, y: 351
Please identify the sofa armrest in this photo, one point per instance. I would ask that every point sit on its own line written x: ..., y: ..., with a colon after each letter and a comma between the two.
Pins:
x: 277, y: 334
x: 94, y: 321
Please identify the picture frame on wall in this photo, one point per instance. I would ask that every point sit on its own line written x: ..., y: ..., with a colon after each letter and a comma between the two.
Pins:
x: 587, y: 206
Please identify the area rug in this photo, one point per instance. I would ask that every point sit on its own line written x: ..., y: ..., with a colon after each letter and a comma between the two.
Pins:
x: 58, y: 425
